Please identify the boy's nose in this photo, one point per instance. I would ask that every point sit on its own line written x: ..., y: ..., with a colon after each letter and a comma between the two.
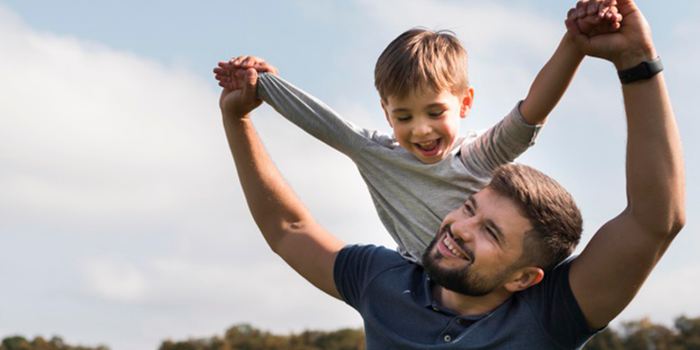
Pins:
x: 422, y: 129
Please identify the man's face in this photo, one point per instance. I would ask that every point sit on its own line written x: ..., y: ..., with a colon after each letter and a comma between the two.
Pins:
x: 426, y: 123
x: 478, y: 245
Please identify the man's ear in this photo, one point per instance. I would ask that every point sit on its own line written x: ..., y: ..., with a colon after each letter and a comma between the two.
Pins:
x: 386, y: 114
x: 524, y: 278
x: 467, y: 101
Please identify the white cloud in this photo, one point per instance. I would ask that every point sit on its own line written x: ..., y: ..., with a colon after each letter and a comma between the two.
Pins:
x: 114, y: 279
x: 122, y: 162
x: 666, y: 295
x: 485, y: 27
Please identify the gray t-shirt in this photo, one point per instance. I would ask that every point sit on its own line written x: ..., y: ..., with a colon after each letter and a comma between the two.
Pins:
x: 410, y: 197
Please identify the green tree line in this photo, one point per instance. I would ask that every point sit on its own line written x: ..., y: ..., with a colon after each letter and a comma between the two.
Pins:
x: 39, y: 343
x: 633, y: 335
x: 646, y: 335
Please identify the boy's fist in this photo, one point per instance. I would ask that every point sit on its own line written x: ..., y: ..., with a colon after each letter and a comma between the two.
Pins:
x: 231, y: 73
x: 595, y: 17
x: 239, y: 78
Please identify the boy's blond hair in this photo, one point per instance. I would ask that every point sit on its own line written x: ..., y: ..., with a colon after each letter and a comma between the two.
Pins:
x: 421, y: 59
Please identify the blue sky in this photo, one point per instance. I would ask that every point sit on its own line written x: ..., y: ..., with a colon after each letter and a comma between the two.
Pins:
x: 121, y: 218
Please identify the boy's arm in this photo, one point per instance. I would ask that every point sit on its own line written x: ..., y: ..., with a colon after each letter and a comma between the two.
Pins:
x: 301, y: 108
x: 551, y: 82
x: 514, y: 134
x: 621, y: 255
x: 554, y: 78
x: 286, y: 224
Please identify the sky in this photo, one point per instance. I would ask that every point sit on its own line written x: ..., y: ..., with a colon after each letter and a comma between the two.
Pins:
x: 121, y: 218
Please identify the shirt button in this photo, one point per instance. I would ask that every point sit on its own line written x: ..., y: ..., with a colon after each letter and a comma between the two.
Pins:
x: 459, y: 321
x: 435, y: 308
x: 448, y: 338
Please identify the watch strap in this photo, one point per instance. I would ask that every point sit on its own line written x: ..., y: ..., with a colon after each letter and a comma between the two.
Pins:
x: 642, y: 71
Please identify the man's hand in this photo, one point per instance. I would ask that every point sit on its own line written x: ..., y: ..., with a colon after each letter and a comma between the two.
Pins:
x: 239, y: 78
x: 596, y: 17
x: 627, y: 47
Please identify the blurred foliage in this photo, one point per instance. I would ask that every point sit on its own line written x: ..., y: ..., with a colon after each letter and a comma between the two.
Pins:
x: 633, y: 335
x: 39, y: 343
x: 646, y: 335
x: 246, y: 337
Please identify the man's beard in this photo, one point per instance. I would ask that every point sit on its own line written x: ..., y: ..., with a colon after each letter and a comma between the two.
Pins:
x: 460, y: 279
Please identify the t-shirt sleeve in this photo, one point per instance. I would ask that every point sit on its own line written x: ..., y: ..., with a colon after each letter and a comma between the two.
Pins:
x: 357, y: 265
x: 312, y: 115
x: 500, y: 144
x: 553, y: 303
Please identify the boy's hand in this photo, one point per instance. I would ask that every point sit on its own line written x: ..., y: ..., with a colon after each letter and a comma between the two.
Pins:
x: 231, y: 73
x: 239, y: 78
x: 595, y: 17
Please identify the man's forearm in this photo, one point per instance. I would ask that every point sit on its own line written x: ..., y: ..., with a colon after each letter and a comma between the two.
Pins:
x: 551, y: 82
x: 655, y: 176
x: 272, y: 202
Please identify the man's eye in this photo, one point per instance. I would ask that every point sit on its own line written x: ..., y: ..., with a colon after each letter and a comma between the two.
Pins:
x: 493, y: 234
x: 469, y: 209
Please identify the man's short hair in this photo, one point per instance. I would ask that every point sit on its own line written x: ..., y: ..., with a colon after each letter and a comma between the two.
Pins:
x: 421, y: 59
x: 555, y: 218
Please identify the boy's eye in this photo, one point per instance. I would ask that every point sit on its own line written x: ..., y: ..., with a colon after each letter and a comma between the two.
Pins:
x: 436, y: 114
x: 404, y: 118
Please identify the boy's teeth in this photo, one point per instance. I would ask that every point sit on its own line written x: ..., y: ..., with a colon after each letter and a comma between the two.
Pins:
x: 428, y: 145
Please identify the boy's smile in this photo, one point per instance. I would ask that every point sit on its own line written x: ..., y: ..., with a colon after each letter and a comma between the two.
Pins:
x: 426, y: 123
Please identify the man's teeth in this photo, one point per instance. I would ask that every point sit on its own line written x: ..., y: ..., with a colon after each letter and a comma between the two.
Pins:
x: 453, y: 249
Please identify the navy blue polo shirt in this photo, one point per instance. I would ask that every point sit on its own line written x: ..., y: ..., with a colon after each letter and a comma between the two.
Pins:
x: 394, y: 297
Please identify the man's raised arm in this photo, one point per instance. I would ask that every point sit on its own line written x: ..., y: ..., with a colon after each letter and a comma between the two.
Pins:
x: 284, y: 221
x: 621, y: 255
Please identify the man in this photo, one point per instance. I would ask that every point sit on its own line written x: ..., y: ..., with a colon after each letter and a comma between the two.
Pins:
x: 488, y: 281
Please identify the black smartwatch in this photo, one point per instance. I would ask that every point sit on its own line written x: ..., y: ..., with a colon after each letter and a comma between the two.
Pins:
x: 642, y: 71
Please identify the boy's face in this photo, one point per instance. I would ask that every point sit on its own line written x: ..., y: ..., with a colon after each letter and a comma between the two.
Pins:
x: 426, y: 123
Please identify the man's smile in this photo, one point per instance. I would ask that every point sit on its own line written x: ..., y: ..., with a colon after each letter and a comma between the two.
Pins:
x: 449, y: 243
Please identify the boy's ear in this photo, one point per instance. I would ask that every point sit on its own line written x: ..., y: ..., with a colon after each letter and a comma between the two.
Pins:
x: 524, y: 278
x: 467, y: 101
x: 386, y: 113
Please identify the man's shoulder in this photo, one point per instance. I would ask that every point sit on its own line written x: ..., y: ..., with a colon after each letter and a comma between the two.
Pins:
x: 359, y: 268
x: 557, y: 277
x: 379, y: 257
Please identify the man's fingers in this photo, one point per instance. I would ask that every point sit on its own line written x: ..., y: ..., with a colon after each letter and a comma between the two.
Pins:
x: 593, y: 7
x: 236, y: 61
x: 581, y: 8
x: 221, y: 71
x: 251, y: 61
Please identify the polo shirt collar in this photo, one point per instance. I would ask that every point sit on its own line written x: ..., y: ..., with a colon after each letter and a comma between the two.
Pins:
x: 424, y: 297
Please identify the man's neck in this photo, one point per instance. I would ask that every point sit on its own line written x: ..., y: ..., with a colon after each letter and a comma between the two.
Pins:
x: 466, y: 305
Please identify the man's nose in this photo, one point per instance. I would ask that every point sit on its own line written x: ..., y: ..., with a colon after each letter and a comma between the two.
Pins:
x: 464, y: 229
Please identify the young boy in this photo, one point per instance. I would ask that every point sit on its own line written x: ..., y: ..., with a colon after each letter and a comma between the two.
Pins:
x: 422, y: 80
